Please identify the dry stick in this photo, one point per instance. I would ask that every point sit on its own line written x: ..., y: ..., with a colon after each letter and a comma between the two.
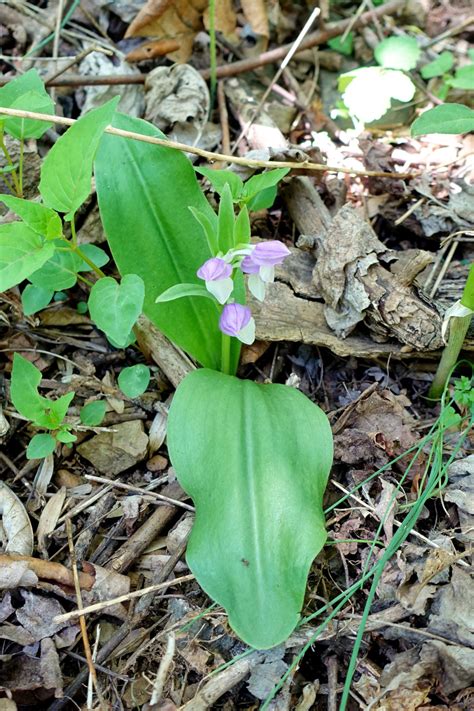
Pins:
x: 98, y: 606
x: 444, y: 269
x: 144, y: 492
x: 117, y: 638
x: 163, y: 669
x: 82, y: 621
x: 208, y: 155
x: 451, y: 32
x: 49, y: 80
x: 291, y: 52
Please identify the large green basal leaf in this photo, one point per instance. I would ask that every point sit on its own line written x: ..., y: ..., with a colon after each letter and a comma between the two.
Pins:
x: 145, y: 193
x: 255, y: 460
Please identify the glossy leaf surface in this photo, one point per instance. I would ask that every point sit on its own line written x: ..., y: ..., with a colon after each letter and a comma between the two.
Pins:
x: 255, y: 460
x: 145, y: 194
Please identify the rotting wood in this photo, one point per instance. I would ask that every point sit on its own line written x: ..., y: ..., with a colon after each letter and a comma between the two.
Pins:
x: 393, y: 307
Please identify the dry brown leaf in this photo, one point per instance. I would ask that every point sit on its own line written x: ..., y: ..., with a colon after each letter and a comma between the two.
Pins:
x: 116, y: 403
x: 44, y: 570
x: 167, y: 21
x: 256, y: 14
x: 159, y: 48
x: 49, y: 518
x: 115, y: 451
x: 16, y: 533
x: 226, y: 18
x: 44, y: 475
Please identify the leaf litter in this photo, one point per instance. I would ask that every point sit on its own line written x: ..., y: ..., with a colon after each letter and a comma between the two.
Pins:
x: 353, y: 330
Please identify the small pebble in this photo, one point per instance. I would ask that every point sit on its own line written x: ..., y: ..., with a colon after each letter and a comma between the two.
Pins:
x: 157, y: 463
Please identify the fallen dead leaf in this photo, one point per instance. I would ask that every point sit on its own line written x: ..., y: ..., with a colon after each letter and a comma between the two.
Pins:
x: 16, y: 533
x: 256, y: 14
x: 376, y: 428
x: 172, y: 24
x: 113, y: 452
x: 48, y: 520
x: 177, y: 101
x: 31, y: 569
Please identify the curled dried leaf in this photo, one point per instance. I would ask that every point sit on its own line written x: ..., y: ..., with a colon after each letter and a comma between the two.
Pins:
x: 15, y: 527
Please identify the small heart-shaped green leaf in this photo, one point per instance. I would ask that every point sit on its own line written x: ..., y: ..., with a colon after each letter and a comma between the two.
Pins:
x: 35, y: 298
x: 116, y: 307
x: 133, y: 381
x: 40, y: 446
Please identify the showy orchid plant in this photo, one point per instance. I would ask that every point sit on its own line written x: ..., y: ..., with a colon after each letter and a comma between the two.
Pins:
x: 253, y: 457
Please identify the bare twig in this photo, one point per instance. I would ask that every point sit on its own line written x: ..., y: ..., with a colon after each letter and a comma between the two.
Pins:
x: 163, y: 670
x: 208, y: 155
x: 143, y: 492
x: 80, y: 608
x: 290, y: 54
x: 98, y: 606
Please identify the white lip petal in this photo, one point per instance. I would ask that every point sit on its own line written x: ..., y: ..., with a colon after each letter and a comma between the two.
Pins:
x: 247, y: 333
x: 267, y: 274
x: 457, y: 310
x: 221, y: 289
x: 256, y: 286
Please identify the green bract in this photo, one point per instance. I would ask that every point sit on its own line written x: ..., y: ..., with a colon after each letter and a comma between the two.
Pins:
x: 255, y: 460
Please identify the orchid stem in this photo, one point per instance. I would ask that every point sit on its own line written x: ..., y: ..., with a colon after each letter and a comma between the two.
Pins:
x: 225, y: 357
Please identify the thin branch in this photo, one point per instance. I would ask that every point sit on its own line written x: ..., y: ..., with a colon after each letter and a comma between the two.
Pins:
x: 208, y: 155
x: 98, y: 606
